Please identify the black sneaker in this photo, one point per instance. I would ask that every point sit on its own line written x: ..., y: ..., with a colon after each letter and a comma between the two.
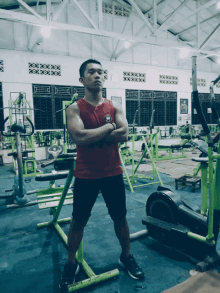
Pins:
x: 69, y: 273
x: 132, y: 267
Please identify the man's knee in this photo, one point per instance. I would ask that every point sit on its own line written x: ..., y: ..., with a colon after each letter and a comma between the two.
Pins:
x: 117, y: 220
x: 79, y: 223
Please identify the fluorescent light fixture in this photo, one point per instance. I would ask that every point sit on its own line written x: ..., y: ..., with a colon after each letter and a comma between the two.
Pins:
x: 127, y: 45
x: 45, y: 31
x: 183, y: 53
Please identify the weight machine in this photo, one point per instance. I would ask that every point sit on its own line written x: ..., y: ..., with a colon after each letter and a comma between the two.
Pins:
x: 18, y: 130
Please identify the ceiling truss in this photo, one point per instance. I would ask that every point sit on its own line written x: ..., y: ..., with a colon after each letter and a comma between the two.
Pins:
x: 153, y: 28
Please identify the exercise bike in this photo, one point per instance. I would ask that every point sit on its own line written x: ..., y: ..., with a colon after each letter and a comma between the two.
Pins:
x: 175, y: 221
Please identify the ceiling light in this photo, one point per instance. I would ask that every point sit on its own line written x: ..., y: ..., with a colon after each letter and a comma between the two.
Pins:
x: 183, y: 53
x: 218, y: 5
x: 127, y: 45
x: 45, y: 31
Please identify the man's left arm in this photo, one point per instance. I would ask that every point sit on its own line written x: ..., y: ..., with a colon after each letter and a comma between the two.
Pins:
x: 121, y: 133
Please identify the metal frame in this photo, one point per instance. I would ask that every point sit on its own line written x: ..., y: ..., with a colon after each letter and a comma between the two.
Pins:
x: 151, y: 37
x: 55, y: 211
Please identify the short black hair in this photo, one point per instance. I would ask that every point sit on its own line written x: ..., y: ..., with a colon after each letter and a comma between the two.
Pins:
x: 82, y: 68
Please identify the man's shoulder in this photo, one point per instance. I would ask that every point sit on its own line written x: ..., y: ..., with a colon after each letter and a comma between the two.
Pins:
x: 73, y: 108
x: 116, y: 105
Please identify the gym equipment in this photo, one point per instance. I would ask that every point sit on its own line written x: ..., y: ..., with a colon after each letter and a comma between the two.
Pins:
x: 168, y: 216
x: 19, y: 111
x: 54, y: 199
x: 138, y: 137
x: 68, y: 146
x: 54, y: 151
x: 19, y: 194
x: 170, y: 147
x: 17, y: 130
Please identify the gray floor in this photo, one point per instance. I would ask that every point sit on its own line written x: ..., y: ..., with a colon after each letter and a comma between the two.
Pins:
x: 32, y: 260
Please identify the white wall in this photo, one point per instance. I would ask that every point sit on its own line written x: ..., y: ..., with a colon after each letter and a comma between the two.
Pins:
x: 16, y: 76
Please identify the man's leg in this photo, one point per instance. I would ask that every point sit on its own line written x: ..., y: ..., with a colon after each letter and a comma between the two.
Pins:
x: 75, y: 236
x: 123, y: 234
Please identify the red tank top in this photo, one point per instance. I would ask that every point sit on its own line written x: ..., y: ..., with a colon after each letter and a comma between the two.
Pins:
x: 100, y: 159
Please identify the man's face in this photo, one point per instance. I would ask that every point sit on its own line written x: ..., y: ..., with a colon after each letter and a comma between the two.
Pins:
x: 93, y: 78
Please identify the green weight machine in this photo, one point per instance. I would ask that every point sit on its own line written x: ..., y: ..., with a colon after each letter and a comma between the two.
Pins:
x: 66, y: 137
x: 183, y: 145
x: 132, y: 182
x: 137, y: 137
x: 19, y: 109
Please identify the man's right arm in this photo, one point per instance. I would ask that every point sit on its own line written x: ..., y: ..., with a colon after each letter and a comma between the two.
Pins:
x: 78, y: 133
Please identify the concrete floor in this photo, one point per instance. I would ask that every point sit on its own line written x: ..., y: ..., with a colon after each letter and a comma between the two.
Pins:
x: 32, y: 260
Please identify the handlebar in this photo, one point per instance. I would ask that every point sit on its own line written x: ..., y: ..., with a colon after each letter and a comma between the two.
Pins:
x: 216, y: 80
x: 213, y: 106
x: 152, y: 121
x: 19, y: 128
x: 197, y: 102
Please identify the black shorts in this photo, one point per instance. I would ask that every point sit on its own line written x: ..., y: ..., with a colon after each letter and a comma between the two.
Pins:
x: 85, y: 193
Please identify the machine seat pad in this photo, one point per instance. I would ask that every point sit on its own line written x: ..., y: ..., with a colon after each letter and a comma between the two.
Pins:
x: 67, y: 156
x: 202, y: 160
x: 51, y: 176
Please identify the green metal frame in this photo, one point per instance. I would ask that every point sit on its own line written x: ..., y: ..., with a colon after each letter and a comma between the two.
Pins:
x: 214, y: 199
x: 30, y: 143
x: 134, y: 169
x: 65, y: 105
x: 55, y: 211
x: 158, y: 158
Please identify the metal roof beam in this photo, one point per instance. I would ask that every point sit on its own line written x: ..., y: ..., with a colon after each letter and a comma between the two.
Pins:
x: 160, y: 6
x: 32, y: 11
x: 48, y: 9
x: 202, y: 7
x: 84, y: 13
x: 91, y: 22
x: 55, y: 16
x: 173, y: 14
x: 209, y: 36
x: 115, y: 49
x: 59, y: 10
x: 155, y: 15
x: 100, y: 14
x: 33, y: 20
x: 197, y: 25
x: 193, y: 26
x: 31, y: 32
x: 142, y: 16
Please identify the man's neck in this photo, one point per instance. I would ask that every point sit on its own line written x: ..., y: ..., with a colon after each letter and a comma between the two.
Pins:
x: 94, y: 98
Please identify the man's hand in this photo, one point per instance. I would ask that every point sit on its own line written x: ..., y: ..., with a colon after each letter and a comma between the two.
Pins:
x: 118, y: 135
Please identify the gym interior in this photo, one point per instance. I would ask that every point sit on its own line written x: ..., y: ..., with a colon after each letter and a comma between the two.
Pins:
x: 161, y: 63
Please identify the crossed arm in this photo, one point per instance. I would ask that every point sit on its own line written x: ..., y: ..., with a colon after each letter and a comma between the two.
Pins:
x: 82, y: 136
x: 121, y: 133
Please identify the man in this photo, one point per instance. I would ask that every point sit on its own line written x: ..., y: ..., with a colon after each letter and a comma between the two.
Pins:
x: 96, y: 125
x: 187, y: 126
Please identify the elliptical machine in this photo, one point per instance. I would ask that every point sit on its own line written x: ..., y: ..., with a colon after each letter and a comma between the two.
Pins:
x: 171, y: 218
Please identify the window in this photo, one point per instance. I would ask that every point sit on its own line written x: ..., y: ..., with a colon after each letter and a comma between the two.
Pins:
x: 164, y: 104
x: 48, y: 99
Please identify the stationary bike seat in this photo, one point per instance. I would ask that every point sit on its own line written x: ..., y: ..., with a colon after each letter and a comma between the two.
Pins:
x: 16, y: 127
